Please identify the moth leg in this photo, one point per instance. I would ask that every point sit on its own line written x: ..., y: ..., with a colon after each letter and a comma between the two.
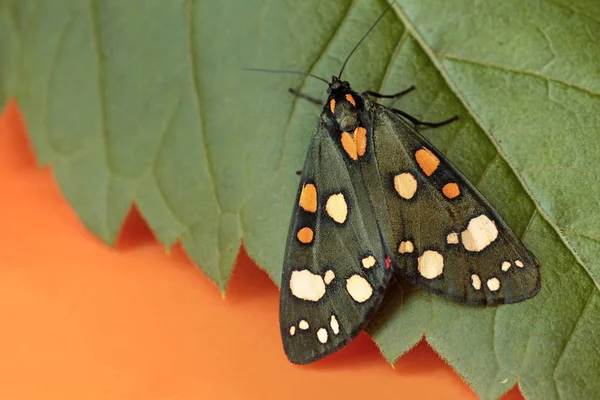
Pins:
x: 390, y: 96
x: 423, y: 123
x: 306, y: 97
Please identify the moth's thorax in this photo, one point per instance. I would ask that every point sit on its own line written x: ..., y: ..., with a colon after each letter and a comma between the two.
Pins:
x: 344, y: 105
x: 346, y: 120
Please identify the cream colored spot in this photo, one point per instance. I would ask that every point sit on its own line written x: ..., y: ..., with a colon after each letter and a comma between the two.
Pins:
x: 406, y: 247
x: 292, y: 330
x: 452, y: 238
x: 368, y: 262
x: 359, y: 288
x: 329, y: 276
x: 335, y: 326
x: 308, y: 198
x: 303, y: 325
x: 430, y: 264
x: 505, y: 266
x: 493, y: 284
x: 480, y: 233
x: 322, y: 335
x: 307, y: 286
x: 519, y: 263
x: 475, y: 282
x: 406, y: 185
x: 337, y: 208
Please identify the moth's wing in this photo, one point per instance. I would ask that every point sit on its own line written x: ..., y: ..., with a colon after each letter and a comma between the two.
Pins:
x: 447, y: 238
x: 332, y: 284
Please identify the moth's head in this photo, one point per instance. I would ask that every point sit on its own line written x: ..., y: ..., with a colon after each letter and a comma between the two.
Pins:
x: 337, y: 85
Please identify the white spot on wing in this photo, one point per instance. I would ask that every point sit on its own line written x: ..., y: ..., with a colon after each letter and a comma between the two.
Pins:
x: 292, y: 330
x: 329, y: 276
x: 307, y: 286
x: 505, y: 266
x: 406, y: 247
x: 452, y: 238
x: 322, y: 335
x: 430, y: 264
x: 368, y: 262
x: 337, y: 208
x: 519, y: 263
x: 493, y: 284
x: 335, y: 325
x: 303, y: 325
x: 475, y: 282
x: 480, y: 233
x: 405, y: 185
x: 359, y: 288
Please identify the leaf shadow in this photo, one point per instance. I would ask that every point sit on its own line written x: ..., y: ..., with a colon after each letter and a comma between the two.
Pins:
x: 135, y: 232
x: 21, y: 155
x: 362, y: 350
x: 248, y: 282
x: 419, y: 360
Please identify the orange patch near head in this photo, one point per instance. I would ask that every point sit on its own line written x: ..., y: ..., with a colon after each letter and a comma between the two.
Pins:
x: 427, y: 161
x: 349, y: 145
x: 451, y: 190
x: 332, y: 105
x: 350, y: 99
x: 305, y: 235
x: 308, y: 198
x: 355, y: 144
x: 360, y: 139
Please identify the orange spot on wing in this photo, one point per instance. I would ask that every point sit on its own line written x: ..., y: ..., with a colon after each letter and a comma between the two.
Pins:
x: 332, y: 105
x: 349, y: 145
x: 351, y: 99
x: 308, y: 198
x: 360, y: 139
x: 305, y: 235
x: 427, y: 161
x: 451, y: 190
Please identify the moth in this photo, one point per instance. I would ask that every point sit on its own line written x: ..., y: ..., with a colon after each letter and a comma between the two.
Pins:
x: 375, y: 200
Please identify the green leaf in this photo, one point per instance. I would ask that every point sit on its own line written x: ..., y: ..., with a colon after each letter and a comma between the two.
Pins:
x: 146, y: 102
x: 6, y: 42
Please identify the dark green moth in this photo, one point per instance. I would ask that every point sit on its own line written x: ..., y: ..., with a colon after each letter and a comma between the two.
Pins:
x: 377, y: 199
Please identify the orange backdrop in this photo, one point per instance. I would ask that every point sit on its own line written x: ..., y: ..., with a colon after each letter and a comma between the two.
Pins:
x: 81, y: 320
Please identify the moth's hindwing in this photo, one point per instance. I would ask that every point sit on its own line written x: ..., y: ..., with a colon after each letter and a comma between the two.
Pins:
x: 446, y: 236
x: 335, y: 271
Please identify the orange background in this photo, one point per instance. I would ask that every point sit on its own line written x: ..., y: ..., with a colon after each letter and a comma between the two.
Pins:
x: 81, y: 320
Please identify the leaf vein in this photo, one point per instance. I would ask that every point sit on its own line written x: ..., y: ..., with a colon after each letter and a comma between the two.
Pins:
x: 196, y: 92
x: 507, y: 68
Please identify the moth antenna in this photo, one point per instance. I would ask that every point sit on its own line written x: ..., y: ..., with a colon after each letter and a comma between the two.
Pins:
x: 281, y: 71
x: 363, y: 38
